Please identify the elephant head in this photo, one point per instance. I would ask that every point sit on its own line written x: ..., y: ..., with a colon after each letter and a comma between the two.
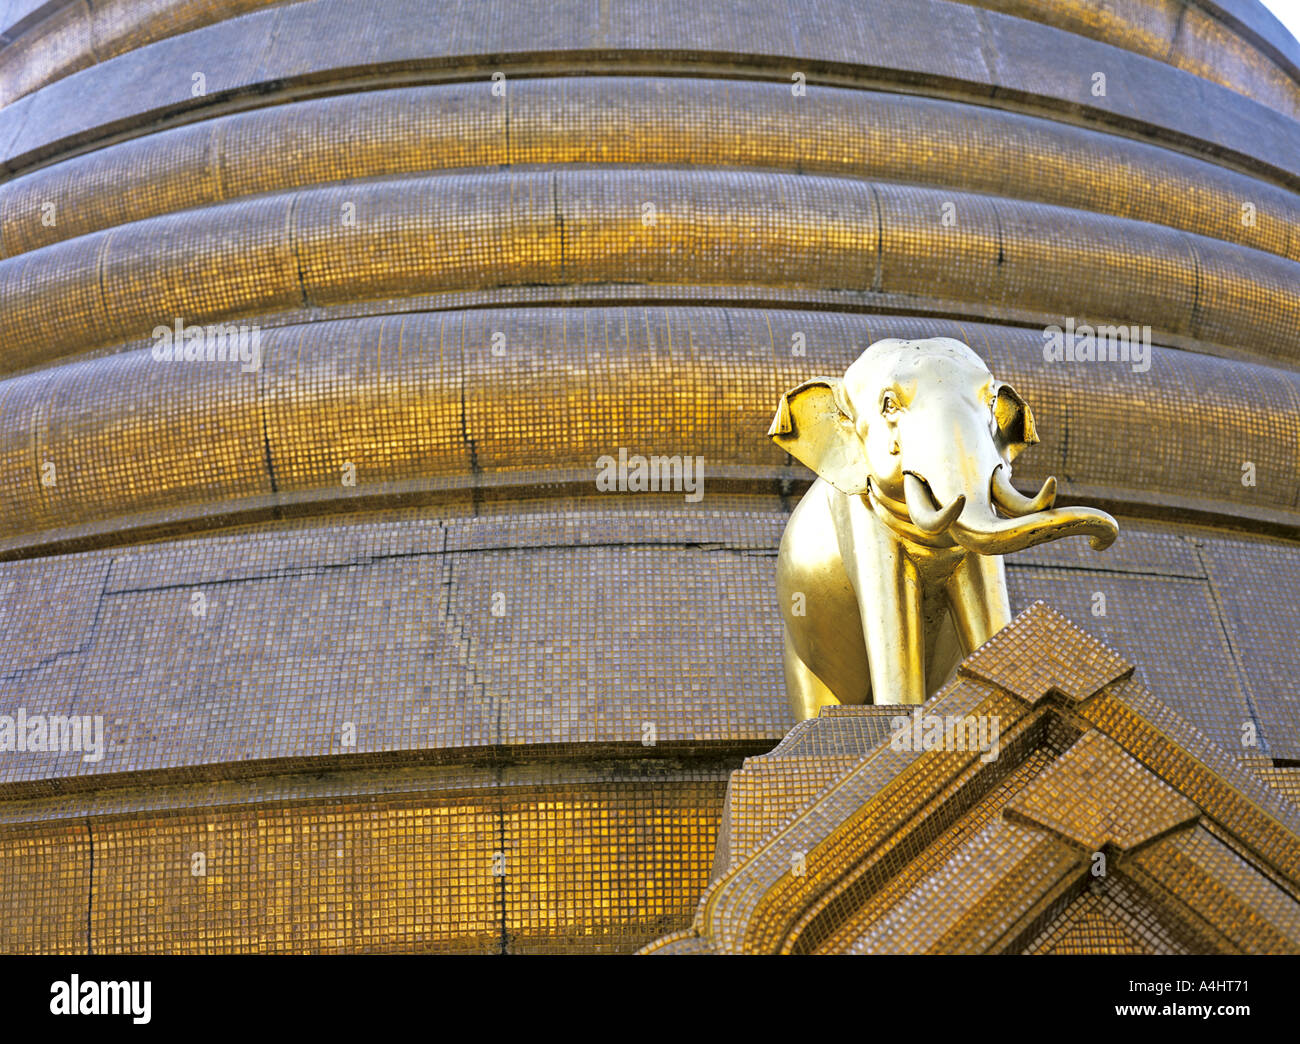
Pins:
x: 929, y: 433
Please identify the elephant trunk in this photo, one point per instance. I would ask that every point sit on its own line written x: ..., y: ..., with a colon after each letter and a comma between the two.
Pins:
x: 1001, y: 536
x: 972, y: 522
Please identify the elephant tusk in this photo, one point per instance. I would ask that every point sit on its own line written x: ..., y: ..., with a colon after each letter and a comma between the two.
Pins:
x: 1012, y: 501
x: 925, y: 512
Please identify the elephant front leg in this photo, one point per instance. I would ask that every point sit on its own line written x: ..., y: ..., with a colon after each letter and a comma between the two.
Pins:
x: 977, y: 594
x: 889, y: 597
x: 807, y: 693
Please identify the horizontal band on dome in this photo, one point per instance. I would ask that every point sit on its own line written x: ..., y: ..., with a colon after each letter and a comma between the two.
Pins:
x: 1196, y: 37
x: 390, y: 625
x: 462, y: 405
x: 338, y: 245
x: 330, y: 45
x: 46, y: 46
x: 643, y: 122
x: 19, y: 16
x: 51, y: 41
x: 1252, y: 19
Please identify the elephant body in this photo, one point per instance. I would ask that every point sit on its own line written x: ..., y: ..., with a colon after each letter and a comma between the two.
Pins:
x: 833, y: 548
x: 890, y: 568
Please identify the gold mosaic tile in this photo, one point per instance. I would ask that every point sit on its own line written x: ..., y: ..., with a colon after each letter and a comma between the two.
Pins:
x: 1111, y: 919
x: 492, y: 867
x: 1112, y: 799
x: 1036, y: 663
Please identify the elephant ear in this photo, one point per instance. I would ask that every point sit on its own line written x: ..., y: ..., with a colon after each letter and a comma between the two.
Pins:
x: 1014, y: 420
x: 814, y: 424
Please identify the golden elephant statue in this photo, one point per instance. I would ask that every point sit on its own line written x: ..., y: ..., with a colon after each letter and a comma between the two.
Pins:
x: 889, y: 571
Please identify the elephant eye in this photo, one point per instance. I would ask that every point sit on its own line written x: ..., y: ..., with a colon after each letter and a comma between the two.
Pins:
x: 889, y: 404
